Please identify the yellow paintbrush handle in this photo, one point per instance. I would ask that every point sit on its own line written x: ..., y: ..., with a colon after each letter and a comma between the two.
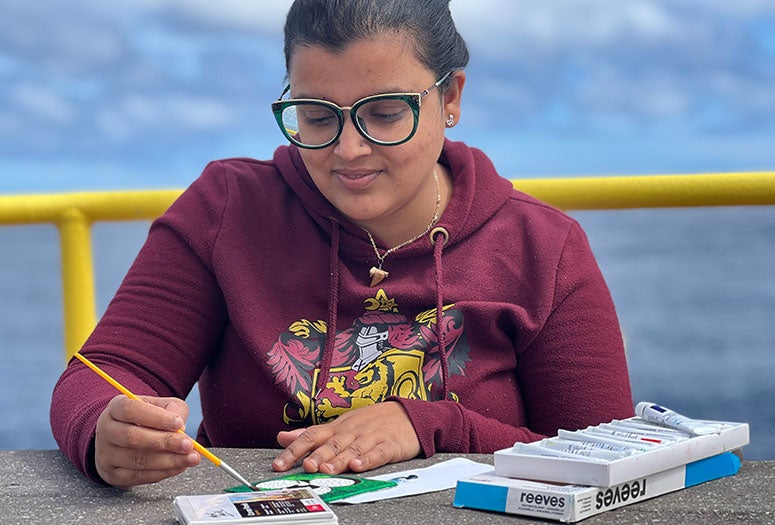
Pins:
x: 206, y: 453
x: 121, y: 388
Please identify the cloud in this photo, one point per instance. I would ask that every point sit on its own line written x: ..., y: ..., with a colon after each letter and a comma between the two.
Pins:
x: 118, y: 73
x: 224, y: 15
x: 237, y: 14
x: 560, y: 24
x: 643, y: 63
x: 114, y: 78
x: 524, y: 27
x: 41, y: 102
x: 56, y: 37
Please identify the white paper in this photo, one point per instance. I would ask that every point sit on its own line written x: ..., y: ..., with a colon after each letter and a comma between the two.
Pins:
x: 440, y: 476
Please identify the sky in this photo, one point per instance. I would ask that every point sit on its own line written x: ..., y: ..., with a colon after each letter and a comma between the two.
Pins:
x: 143, y: 93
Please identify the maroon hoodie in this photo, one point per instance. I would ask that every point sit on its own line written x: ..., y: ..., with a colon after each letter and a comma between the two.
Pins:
x: 243, y: 278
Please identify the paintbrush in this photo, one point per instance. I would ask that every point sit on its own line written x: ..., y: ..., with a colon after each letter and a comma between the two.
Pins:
x: 199, y: 448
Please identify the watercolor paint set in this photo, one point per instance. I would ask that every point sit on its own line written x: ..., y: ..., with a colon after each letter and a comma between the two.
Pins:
x: 578, y: 474
x: 622, y: 450
x: 572, y: 503
x: 288, y: 506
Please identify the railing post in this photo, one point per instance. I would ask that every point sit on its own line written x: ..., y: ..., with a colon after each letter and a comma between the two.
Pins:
x: 77, y: 279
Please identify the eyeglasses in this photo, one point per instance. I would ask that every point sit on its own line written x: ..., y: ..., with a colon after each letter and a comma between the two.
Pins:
x: 388, y: 119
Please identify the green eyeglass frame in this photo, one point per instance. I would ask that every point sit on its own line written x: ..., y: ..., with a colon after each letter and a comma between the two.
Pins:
x: 413, y: 100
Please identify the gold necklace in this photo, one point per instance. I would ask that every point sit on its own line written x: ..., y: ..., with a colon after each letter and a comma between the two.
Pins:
x: 376, y: 273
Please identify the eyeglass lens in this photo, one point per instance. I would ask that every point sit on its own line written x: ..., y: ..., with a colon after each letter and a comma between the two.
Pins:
x: 382, y: 120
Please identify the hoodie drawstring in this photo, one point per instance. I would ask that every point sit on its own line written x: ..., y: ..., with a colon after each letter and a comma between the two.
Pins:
x: 333, y: 302
x: 441, y: 338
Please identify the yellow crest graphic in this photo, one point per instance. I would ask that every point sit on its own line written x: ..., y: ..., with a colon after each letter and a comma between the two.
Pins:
x: 382, y: 354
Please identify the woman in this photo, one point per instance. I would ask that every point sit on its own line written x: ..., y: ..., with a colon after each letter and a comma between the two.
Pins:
x: 373, y: 293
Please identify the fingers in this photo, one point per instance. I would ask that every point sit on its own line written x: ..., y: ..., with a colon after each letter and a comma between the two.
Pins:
x: 376, y: 457
x: 359, y: 440
x: 298, y: 443
x: 150, y: 412
x: 138, y: 442
x: 144, y: 467
x: 286, y: 438
x: 334, y: 457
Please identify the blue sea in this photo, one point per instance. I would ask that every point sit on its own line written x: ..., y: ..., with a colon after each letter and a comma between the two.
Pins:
x: 694, y: 289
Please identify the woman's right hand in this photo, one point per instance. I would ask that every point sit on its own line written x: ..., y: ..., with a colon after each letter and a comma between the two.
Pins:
x: 138, y: 442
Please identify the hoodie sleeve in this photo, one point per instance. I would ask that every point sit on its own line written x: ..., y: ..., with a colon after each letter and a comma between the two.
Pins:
x: 572, y: 374
x: 447, y: 426
x: 158, y: 330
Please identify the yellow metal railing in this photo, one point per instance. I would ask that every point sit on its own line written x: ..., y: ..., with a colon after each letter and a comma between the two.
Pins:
x: 74, y: 213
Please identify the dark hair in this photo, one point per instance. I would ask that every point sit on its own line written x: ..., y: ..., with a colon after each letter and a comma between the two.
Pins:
x: 335, y: 24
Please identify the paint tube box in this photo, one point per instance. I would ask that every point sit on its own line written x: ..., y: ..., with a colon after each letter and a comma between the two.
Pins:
x: 600, y: 473
x: 572, y: 503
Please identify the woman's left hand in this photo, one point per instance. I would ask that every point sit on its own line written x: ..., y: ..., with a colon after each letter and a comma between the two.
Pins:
x: 358, y: 440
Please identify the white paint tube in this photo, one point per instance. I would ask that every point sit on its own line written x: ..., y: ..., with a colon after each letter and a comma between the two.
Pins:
x: 557, y: 447
x: 618, y: 444
x: 663, y: 416
x: 639, y: 424
x: 627, y: 436
x: 533, y: 449
x: 639, y: 434
x: 606, y: 451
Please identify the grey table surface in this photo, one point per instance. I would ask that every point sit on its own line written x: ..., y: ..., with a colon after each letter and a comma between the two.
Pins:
x: 41, y: 486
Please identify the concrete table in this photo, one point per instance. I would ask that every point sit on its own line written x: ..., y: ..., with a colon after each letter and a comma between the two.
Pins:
x: 41, y: 486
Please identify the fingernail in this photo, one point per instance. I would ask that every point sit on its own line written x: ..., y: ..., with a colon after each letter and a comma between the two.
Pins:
x: 356, y: 463
x: 279, y: 463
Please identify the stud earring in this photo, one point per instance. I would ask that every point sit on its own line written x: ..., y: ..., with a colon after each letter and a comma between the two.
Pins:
x: 450, y: 120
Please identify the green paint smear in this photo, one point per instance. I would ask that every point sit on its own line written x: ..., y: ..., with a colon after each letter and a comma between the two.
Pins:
x: 328, y: 487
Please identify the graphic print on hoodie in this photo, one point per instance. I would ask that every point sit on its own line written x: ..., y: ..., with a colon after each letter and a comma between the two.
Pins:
x: 381, y: 354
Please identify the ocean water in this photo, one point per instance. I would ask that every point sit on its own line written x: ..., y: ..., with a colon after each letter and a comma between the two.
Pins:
x: 694, y: 289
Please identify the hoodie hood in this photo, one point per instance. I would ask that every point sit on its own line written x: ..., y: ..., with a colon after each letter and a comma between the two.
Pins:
x: 478, y: 193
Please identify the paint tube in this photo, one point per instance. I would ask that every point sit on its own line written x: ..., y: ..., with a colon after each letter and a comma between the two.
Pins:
x: 571, y: 449
x: 534, y: 449
x: 594, y: 449
x: 624, y: 435
x: 645, y: 426
x: 531, y: 449
x: 663, y: 416
x: 611, y: 441
x: 638, y: 434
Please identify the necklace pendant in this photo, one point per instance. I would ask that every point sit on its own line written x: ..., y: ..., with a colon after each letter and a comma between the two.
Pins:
x: 377, y: 275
